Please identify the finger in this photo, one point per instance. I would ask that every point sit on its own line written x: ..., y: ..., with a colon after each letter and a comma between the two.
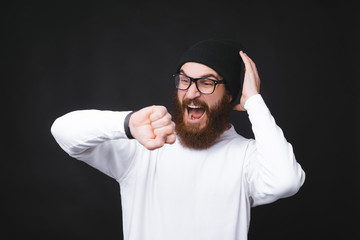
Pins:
x: 160, y: 141
x: 164, y: 131
x: 153, y: 144
x: 157, y: 113
x: 250, y: 66
x: 164, y: 121
x: 245, y: 59
x: 170, y: 139
x: 253, y: 66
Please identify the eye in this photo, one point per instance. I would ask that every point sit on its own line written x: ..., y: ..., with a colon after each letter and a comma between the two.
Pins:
x: 206, y: 83
x: 184, y: 79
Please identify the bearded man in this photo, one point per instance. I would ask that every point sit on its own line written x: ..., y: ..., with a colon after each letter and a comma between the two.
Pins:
x: 189, y: 175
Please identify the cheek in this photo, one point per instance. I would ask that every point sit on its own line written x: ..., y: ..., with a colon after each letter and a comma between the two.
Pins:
x: 181, y: 95
x: 216, y: 97
x: 211, y: 100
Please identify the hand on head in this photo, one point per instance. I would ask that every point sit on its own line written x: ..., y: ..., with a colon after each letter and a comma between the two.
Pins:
x: 152, y: 127
x: 251, y: 85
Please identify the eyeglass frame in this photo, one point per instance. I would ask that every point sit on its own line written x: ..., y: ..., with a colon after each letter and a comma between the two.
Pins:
x: 216, y: 82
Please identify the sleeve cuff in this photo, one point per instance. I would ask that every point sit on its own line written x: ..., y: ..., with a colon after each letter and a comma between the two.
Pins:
x: 126, y: 126
x: 259, y: 114
x: 253, y: 102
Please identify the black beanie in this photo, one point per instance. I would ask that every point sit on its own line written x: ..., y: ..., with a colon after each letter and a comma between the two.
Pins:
x: 220, y: 55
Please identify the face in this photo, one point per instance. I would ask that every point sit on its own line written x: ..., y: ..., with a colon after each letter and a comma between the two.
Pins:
x: 200, y: 119
x: 195, y: 114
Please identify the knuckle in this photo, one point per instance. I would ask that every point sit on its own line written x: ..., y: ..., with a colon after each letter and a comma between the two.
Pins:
x: 159, y: 131
x: 168, y: 118
x: 170, y: 139
x: 154, y: 144
x: 158, y: 112
x: 165, y: 122
x: 169, y: 129
x: 161, y: 109
x: 156, y: 131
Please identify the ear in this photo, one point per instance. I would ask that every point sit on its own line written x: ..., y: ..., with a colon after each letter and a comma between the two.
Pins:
x: 228, y: 94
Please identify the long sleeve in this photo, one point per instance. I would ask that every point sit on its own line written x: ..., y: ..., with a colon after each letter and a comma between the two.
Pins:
x: 272, y: 171
x: 97, y: 138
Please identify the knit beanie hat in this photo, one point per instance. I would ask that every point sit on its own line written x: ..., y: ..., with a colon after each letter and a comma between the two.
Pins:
x: 220, y: 55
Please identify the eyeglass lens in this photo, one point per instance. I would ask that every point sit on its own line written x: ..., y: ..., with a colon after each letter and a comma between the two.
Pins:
x: 204, y: 85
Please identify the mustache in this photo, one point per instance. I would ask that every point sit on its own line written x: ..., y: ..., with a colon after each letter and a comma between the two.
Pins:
x: 195, y: 102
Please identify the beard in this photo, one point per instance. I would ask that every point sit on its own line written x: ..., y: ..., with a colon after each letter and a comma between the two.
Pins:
x: 217, y: 121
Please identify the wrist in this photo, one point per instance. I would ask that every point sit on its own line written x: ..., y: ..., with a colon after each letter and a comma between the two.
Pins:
x: 127, y: 126
x: 250, y: 100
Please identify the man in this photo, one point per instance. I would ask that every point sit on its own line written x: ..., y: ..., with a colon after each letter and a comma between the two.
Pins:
x: 194, y: 178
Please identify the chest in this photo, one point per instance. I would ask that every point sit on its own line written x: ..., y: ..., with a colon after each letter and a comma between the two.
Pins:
x: 176, y: 172
x: 181, y: 191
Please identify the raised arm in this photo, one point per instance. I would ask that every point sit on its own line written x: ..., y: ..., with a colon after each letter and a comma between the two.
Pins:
x: 272, y: 171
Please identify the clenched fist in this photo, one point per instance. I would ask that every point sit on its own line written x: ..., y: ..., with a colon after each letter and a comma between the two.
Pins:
x: 152, y: 127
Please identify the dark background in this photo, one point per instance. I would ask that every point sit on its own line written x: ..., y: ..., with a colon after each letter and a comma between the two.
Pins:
x: 62, y: 56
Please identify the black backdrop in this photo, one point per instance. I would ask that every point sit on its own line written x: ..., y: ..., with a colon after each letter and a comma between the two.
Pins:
x: 61, y: 56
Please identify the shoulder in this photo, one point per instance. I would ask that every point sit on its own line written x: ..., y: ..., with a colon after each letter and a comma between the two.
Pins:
x: 231, y: 136
x: 233, y: 141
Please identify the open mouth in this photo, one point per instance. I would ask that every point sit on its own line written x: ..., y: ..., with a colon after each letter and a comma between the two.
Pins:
x: 195, y: 112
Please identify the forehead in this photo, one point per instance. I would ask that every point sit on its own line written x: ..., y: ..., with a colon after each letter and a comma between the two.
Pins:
x: 197, y: 70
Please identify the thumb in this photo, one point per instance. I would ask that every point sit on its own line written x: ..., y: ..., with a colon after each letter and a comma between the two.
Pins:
x: 153, y: 144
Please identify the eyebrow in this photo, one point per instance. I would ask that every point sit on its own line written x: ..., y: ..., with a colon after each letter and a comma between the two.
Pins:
x: 204, y: 76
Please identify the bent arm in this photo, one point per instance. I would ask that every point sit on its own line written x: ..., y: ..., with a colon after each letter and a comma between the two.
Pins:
x: 97, y: 138
x: 272, y: 170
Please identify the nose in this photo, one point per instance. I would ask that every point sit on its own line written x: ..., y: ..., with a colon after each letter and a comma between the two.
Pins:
x: 192, y: 91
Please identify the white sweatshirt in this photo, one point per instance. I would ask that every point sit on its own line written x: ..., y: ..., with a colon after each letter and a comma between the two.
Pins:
x: 176, y: 193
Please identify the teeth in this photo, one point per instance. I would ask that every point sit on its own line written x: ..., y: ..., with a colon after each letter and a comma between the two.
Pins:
x: 193, y: 106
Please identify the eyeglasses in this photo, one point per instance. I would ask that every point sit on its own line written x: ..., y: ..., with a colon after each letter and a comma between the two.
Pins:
x: 203, y: 85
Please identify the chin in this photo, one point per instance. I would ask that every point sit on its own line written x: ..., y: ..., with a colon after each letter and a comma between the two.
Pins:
x: 195, y: 125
